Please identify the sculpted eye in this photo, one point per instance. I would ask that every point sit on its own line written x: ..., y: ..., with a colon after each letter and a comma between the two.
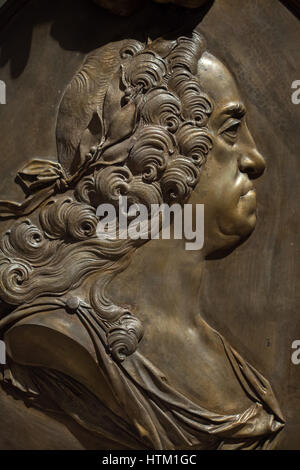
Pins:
x: 230, y: 129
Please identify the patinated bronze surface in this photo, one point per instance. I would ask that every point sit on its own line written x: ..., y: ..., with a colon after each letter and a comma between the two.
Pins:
x: 111, y: 340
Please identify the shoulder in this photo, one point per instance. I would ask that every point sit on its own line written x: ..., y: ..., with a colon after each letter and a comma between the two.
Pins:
x: 57, y: 340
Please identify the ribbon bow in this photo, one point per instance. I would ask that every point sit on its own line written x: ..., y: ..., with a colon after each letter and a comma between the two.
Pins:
x: 41, y: 173
x: 39, y: 179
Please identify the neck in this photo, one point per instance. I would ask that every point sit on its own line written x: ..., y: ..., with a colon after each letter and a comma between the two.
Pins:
x: 162, y: 279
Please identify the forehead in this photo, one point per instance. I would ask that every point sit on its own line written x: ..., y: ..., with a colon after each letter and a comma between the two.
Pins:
x: 217, y: 81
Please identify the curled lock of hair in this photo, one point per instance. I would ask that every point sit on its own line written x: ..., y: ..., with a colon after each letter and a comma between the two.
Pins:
x: 162, y: 163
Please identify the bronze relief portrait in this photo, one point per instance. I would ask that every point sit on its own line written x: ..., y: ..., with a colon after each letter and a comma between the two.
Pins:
x: 109, y: 332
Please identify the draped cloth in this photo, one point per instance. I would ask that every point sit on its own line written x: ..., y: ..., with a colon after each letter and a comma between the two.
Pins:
x: 152, y: 413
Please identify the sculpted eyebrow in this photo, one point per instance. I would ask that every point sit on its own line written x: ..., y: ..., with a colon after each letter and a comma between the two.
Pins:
x: 237, y: 110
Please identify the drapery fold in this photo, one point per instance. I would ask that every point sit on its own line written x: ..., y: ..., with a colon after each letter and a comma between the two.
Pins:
x: 152, y: 413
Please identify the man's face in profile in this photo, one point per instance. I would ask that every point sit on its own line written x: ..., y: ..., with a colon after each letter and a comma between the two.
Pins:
x: 226, y: 182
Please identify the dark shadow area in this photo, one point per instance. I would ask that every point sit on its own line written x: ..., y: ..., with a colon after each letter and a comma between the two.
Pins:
x: 78, y: 25
x: 293, y: 6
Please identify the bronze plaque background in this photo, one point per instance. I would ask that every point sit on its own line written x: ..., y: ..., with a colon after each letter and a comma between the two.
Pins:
x: 252, y: 297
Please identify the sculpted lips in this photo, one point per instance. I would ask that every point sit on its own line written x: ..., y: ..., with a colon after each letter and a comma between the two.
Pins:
x: 249, y: 191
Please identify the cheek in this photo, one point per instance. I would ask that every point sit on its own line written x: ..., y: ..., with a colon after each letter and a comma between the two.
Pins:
x: 218, y: 184
x: 219, y: 189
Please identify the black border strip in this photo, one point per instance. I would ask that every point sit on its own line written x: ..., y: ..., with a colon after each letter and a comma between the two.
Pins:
x: 293, y: 6
x: 11, y: 7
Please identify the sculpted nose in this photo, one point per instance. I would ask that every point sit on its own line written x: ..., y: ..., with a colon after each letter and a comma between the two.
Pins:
x: 252, y: 163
